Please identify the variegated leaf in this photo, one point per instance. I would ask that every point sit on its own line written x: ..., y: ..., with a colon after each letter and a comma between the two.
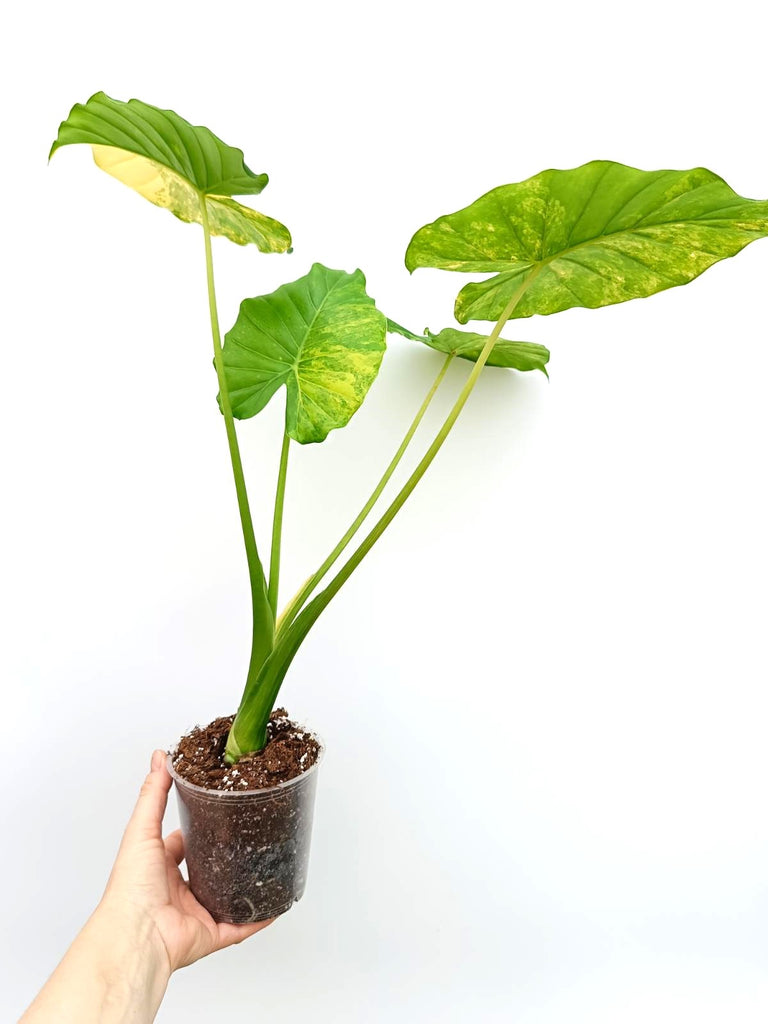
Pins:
x: 592, y: 236
x: 321, y: 336
x: 513, y: 355
x: 175, y: 165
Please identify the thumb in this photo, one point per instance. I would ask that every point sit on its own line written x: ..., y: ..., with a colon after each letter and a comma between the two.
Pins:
x: 147, y: 819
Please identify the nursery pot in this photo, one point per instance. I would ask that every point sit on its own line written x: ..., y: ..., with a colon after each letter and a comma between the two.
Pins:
x: 247, y: 852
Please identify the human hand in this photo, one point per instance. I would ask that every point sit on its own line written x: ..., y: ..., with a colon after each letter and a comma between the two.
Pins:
x: 146, y: 882
x: 147, y: 925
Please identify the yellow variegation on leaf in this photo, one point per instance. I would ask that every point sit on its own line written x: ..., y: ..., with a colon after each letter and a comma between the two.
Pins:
x: 321, y: 336
x: 592, y: 236
x: 175, y: 165
x: 512, y: 355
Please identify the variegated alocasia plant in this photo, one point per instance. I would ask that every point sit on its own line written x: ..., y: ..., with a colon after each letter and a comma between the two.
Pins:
x: 595, y: 235
x: 321, y: 337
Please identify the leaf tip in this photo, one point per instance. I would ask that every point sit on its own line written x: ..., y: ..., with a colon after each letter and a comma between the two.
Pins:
x: 411, y: 263
x: 262, y: 179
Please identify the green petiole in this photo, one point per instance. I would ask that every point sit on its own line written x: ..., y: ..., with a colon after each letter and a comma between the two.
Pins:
x: 297, y: 602
x: 277, y: 525
x: 263, y: 616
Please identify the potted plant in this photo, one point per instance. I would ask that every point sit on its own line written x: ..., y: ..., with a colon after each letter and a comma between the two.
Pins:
x: 595, y: 235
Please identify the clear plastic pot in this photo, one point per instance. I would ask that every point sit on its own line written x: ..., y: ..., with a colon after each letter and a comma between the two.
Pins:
x: 247, y: 853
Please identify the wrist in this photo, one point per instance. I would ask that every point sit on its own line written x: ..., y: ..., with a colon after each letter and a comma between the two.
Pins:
x: 130, y: 959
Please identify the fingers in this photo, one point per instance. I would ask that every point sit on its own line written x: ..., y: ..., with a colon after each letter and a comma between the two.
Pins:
x: 174, y: 846
x: 231, y: 934
x: 147, y: 818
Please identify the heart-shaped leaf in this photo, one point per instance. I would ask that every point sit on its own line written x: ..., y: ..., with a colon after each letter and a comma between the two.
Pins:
x: 175, y: 165
x: 592, y: 236
x: 514, y: 355
x: 321, y: 336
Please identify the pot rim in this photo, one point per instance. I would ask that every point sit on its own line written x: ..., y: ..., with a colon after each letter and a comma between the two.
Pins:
x: 234, y: 794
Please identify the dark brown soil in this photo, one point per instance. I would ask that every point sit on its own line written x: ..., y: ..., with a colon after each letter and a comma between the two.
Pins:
x: 290, y: 751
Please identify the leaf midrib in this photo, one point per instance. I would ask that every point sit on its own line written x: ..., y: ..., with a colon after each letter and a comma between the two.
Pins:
x: 300, y: 347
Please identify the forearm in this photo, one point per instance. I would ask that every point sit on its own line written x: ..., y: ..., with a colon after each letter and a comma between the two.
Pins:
x: 115, y: 972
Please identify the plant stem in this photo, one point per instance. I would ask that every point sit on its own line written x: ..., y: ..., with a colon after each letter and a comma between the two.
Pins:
x: 277, y: 525
x: 249, y: 729
x: 263, y: 617
x: 298, y: 601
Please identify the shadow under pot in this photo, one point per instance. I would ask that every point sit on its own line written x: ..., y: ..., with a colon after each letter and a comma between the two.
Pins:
x: 247, y: 852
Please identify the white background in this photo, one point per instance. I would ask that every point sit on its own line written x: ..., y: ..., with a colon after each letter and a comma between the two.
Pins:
x: 543, y: 695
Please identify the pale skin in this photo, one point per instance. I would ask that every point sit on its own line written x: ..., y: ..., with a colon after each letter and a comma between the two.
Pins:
x: 147, y: 925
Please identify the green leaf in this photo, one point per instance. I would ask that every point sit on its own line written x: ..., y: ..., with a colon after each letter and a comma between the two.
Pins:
x: 592, y: 236
x: 175, y: 165
x: 515, y: 355
x: 321, y: 336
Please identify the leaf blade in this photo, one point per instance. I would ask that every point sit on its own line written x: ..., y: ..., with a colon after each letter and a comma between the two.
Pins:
x: 175, y: 165
x: 321, y: 336
x: 511, y: 355
x: 602, y: 233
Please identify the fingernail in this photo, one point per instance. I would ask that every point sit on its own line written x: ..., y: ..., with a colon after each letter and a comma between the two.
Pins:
x: 158, y: 760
